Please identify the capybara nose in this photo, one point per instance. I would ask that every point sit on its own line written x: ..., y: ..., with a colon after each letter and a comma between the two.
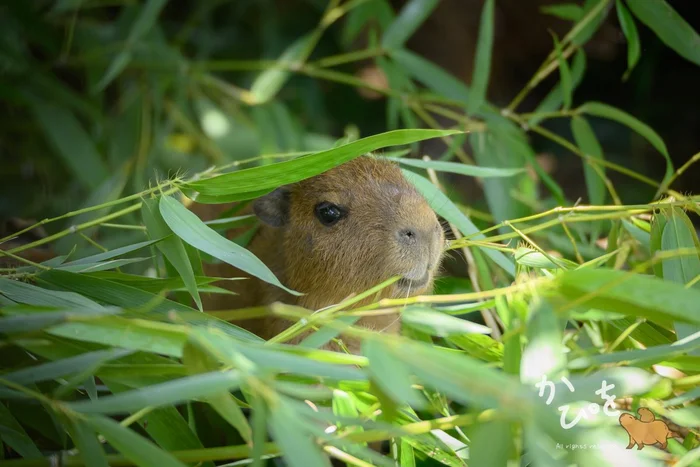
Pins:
x: 407, y: 236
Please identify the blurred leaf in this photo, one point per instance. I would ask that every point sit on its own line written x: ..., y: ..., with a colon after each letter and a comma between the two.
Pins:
x: 107, y: 255
x: 482, y: 452
x: 137, y: 449
x: 555, y: 97
x: 391, y: 375
x: 482, y: 59
x: 71, y: 142
x: 86, y: 441
x: 270, y: 81
x: 431, y: 75
x: 480, y: 346
x: 257, y: 181
x: 294, y: 439
x: 631, y: 294
x: 366, y: 12
x: 640, y: 357
x: 632, y: 36
x: 144, y: 22
x: 535, y: 259
x: 439, y: 324
x: 568, y: 11
x: 33, y: 295
x: 14, y: 435
x: 458, y: 168
x: 565, y: 80
x: 171, y: 246
x: 545, y: 354
x: 588, y: 143
x: 444, y: 207
x: 585, y: 33
x: 412, y: 15
x: 679, y: 232
x: 193, y: 231
x: 599, y: 109
x: 171, y: 392
x: 407, y: 458
x: 657, y: 229
x: 64, y: 367
x: 671, y: 28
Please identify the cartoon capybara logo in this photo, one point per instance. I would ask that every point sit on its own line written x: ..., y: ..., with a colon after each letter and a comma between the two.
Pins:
x: 646, y: 430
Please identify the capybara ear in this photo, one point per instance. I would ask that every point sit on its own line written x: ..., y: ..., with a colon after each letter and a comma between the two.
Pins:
x: 645, y: 415
x: 273, y: 208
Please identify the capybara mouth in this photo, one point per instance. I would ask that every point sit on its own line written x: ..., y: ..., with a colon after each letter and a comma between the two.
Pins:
x: 414, y: 284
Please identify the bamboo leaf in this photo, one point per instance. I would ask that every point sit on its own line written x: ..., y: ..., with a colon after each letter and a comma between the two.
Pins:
x: 588, y: 143
x: 671, y: 28
x: 171, y: 246
x: 482, y: 59
x: 87, y: 443
x: 257, y: 181
x: 71, y: 142
x: 631, y: 294
x: 193, y: 231
x: 439, y: 324
x: 137, y: 449
x: 568, y: 11
x: 14, y: 435
x: 599, y: 109
x: 463, y: 169
x: 629, y: 29
x: 565, y: 78
x: 431, y: 75
x: 391, y: 375
x: 293, y: 438
x: 444, y: 207
x: 412, y: 15
x: 169, y: 393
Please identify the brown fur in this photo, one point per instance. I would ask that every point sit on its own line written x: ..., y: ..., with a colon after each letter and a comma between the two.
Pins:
x: 329, y: 264
x: 645, y: 430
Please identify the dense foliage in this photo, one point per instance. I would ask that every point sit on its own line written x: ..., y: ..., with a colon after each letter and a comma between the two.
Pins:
x: 107, y: 357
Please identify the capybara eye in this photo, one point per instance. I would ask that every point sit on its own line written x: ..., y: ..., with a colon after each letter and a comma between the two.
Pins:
x: 328, y: 213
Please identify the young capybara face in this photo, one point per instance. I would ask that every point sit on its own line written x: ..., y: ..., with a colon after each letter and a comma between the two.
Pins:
x: 351, y: 228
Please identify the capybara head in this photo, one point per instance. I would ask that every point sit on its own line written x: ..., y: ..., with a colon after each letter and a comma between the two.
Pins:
x: 626, y: 419
x: 353, y: 227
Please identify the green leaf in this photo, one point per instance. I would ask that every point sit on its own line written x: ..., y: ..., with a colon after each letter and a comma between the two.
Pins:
x: 86, y: 441
x: 629, y: 29
x: 137, y: 449
x: 599, y: 109
x: 588, y: 143
x: 107, y: 255
x: 671, y: 28
x: 257, y: 181
x: 535, y: 259
x: 482, y: 59
x: 657, y: 229
x: 631, y: 294
x: 294, y: 439
x: 14, y: 435
x: 678, y: 233
x: 391, y: 375
x: 148, y: 15
x: 555, y: 98
x: 171, y: 246
x: 544, y: 354
x: 482, y: 451
x: 431, y: 75
x: 463, y: 169
x: 412, y: 15
x: 444, y: 207
x: 193, y: 231
x: 71, y: 142
x: 270, y: 81
x: 640, y: 357
x: 32, y: 295
x: 169, y: 393
x: 439, y: 324
x: 61, y: 368
x: 565, y: 79
x: 567, y: 11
